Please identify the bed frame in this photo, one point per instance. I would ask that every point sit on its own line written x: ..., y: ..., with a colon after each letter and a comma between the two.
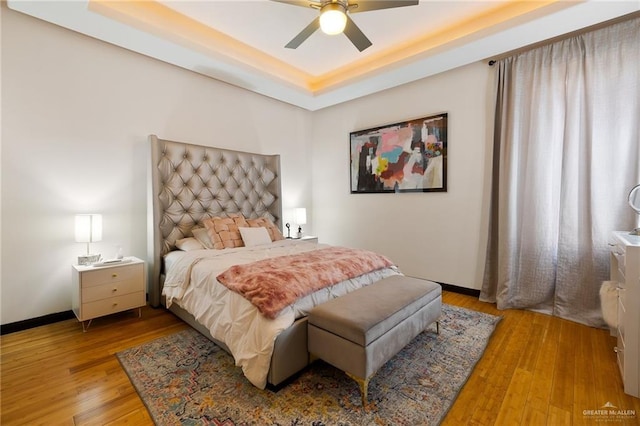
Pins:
x: 190, y: 183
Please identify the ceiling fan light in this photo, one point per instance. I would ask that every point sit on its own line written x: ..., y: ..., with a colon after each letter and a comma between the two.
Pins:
x: 333, y: 19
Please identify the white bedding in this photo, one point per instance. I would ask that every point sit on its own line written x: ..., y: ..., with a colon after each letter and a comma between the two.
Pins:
x: 191, y: 283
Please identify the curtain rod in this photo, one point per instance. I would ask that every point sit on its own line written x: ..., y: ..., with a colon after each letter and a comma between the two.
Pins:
x: 491, y: 62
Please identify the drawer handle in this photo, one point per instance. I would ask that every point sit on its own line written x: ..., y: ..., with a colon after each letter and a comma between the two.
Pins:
x: 114, y: 275
x: 114, y: 290
x: 115, y: 304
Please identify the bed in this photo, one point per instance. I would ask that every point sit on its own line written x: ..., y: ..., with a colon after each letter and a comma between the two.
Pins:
x: 192, y: 186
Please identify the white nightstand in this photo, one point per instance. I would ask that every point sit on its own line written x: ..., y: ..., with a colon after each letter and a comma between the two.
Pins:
x: 309, y: 239
x: 104, y: 290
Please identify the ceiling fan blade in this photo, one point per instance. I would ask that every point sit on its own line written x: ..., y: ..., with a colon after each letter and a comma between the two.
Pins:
x: 365, y: 6
x: 357, y: 37
x: 304, y: 34
x: 302, y: 3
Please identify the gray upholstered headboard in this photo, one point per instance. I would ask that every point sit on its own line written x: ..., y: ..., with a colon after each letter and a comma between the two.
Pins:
x: 190, y: 183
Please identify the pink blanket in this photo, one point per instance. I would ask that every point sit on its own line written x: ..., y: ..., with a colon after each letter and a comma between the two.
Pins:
x: 273, y: 284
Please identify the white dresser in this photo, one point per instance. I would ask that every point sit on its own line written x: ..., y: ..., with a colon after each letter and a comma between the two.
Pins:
x: 625, y: 269
x: 104, y: 290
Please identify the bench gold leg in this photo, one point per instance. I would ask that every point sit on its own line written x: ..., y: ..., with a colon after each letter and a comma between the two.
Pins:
x: 364, y: 385
x: 437, y: 327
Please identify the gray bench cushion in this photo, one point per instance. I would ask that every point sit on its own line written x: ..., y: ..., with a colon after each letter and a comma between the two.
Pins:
x: 388, y: 302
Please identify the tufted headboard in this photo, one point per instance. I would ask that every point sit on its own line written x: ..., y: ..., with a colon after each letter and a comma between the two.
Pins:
x: 190, y: 183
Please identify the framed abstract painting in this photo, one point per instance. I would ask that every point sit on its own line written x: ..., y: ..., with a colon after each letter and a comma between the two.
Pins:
x: 410, y: 156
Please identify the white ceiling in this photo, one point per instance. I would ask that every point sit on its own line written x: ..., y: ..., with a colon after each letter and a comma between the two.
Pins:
x: 242, y: 41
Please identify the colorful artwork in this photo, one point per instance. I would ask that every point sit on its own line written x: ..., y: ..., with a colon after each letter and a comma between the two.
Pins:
x: 404, y: 157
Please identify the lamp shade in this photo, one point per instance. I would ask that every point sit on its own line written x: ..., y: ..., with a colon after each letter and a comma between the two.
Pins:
x: 333, y: 19
x: 88, y: 228
x: 301, y: 216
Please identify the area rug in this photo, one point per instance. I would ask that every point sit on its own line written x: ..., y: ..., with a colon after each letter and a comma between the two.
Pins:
x: 185, y: 379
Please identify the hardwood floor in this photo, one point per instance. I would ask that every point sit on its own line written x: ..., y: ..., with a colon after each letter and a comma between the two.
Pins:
x: 537, y: 370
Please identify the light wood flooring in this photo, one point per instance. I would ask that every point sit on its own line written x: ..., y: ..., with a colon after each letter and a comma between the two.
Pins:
x: 536, y: 370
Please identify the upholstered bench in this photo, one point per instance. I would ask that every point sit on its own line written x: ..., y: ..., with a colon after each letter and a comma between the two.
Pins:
x: 360, y: 331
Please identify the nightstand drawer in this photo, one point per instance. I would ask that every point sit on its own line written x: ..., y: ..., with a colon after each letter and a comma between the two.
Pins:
x: 622, y: 313
x: 113, y: 304
x: 620, y: 357
x: 108, y: 275
x: 619, y: 253
x: 104, y: 291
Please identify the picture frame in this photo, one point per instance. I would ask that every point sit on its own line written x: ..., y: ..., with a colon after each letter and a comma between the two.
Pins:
x: 409, y: 156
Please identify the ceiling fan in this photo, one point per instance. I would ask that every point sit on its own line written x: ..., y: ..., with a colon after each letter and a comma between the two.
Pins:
x: 334, y: 18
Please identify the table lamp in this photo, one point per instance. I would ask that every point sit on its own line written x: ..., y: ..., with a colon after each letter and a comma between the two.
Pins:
x: 301, y: 219
x: 88, y: 230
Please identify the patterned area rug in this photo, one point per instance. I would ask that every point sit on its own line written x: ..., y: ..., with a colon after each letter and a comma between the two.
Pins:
x: 185, y: 379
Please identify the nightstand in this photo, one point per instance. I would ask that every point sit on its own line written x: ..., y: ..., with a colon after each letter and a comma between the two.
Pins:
x: 104, y: 290
x: 309, y: 239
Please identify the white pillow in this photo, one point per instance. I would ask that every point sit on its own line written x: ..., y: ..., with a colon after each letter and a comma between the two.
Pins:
x: 202, y: 235
x: 188, y: 244
x: 254, y: 236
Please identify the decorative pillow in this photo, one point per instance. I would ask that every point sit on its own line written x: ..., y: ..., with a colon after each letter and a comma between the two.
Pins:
x: 255, y: 236
x: 188, y: 244
x: 263, y: 222
x: 223, y: 231
x: 202, y: 235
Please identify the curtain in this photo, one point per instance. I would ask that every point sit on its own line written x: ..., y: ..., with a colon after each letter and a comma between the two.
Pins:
x: 566, y: 155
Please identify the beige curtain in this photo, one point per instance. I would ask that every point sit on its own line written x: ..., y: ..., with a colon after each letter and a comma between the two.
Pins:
x: 566, y: 154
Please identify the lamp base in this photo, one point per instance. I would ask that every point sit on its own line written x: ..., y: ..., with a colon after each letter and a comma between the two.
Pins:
x: 88, y: 259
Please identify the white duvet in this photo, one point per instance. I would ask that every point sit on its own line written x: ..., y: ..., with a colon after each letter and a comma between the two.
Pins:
x: 191, y: 283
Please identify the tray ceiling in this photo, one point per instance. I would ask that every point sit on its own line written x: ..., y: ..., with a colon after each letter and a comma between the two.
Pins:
x: 242, y: 42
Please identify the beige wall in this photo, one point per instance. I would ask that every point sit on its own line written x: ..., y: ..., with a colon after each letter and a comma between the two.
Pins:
x: 439, y: 236
x: 76, y: 113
